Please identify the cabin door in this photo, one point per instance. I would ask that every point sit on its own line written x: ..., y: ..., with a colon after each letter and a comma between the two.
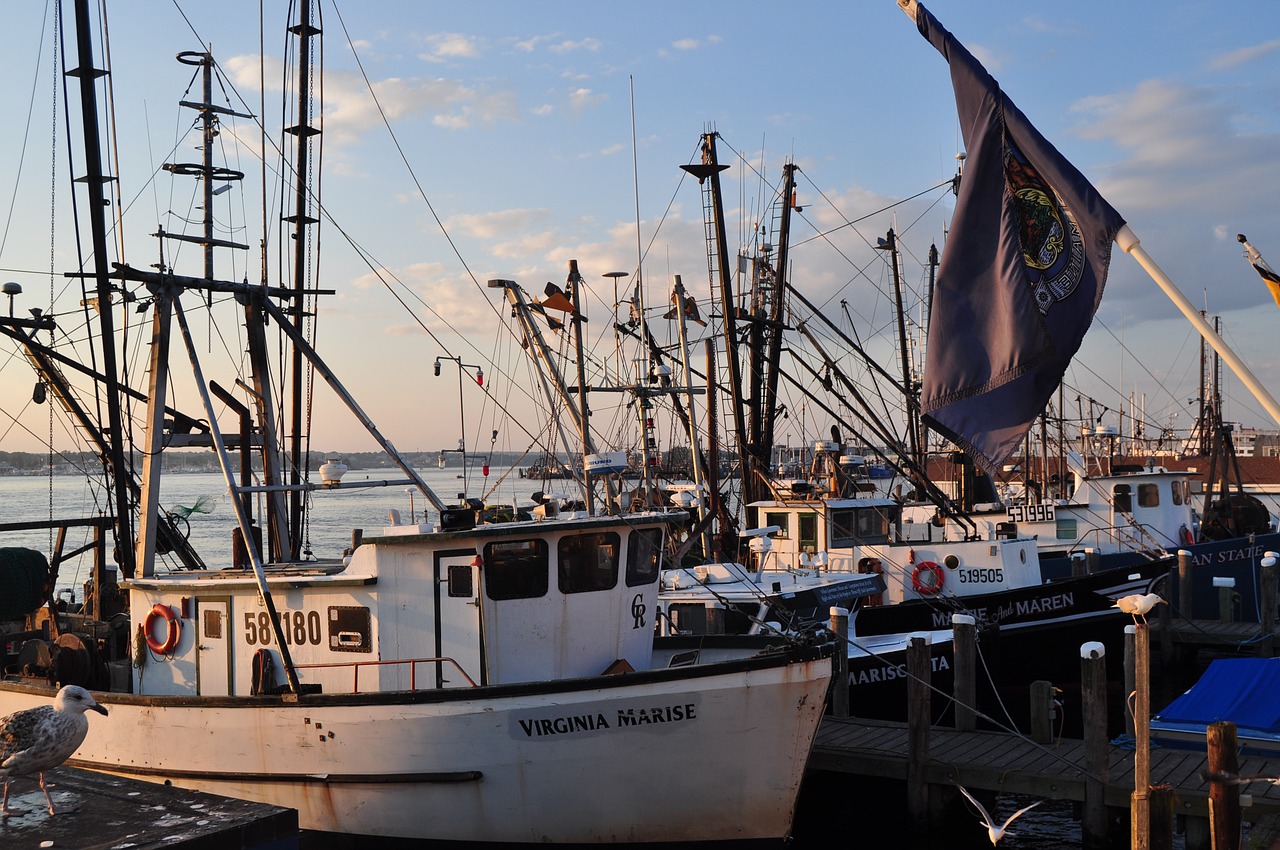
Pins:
x: 213, y: 646
x: 458, y: 632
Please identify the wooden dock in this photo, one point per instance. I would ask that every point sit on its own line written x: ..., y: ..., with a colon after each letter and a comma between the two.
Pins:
x: 96, y: 810
x: 1009, y: 763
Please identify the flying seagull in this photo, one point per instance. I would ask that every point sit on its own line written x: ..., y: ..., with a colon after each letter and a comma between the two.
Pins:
x: 1138, y: 604
x: 1236, y: 779
x: 995, y: 833
x: 36, y: 739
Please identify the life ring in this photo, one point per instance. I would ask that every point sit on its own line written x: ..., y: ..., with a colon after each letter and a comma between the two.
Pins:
x: 927, y: 586
x: 162, y: 612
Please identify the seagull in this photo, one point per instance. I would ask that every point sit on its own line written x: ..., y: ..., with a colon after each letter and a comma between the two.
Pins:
x: 1236, y: 779
x: 36, y: 739
x: 1138, y: 604
x: 995, y: 833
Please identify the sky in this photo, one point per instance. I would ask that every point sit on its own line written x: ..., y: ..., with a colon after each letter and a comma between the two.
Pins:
x: 508, y: 138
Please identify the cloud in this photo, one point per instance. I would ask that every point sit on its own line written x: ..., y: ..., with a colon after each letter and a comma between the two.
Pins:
x: 489, y: 225
x: 350, y: 112
x: 584, y: 98
x: 445, y: 47
x: 695, y: 43
x: 1243, y: 55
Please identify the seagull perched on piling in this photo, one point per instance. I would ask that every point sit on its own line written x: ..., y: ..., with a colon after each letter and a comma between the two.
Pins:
x: 1138, y: 604
x: 36, y: 739
x: 995, y: 833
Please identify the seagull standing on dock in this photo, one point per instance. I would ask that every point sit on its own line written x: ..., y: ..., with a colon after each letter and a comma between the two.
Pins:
x: 1138, y: 604
x: 36, y: 739
x: 995, y: 833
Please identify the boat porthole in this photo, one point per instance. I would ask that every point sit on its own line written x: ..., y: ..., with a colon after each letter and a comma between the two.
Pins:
x: 1022, y: 555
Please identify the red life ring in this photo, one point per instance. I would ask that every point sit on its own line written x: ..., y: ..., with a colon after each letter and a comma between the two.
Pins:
x: 927, y: 586
x: 162, y: 612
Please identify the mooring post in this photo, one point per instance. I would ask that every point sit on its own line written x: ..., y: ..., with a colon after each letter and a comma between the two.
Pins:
x: 1140, y: 807
x: 1224, y: 799
x: 1226, y: 586
x: 840, y: 662
x: 1166, y: 627
x: 965, y: 673
x: 1267, y: 589
x: 1042, y: 711
x: 1163, y: 802
x: 918, y: 719
x: 1130, y: 673
x: 1093, y: 692
x: 1184, y: 584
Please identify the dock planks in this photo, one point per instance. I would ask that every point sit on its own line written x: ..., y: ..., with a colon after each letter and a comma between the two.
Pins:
x: 1008, y: 763
x: 96, y: 810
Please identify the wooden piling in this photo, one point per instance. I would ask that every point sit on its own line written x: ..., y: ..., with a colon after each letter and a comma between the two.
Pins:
x: 1140, y: 807
x: 839, y: 626
x: 1129, y: 674
x: 1163, y: 802
x: 1184, y: 584
x: 918, y: 719
x: 1224, y: 800
x: 1267, y: 590
x: 1042, y: 711
x: 1093, y: 691
x: 964, y: 674
x: 1226, y: 586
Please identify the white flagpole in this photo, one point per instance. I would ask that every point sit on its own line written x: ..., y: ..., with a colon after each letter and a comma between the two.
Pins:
x: 1129, y: 243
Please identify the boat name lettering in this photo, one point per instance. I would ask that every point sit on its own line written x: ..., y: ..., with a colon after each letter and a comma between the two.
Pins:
x: 1057, y: 602
x: 297, y: 627
x: 889, y: 672
x: 1242, y: 553
x: 1032, y: 513
x: 981, y: 575
x: 551, y: 725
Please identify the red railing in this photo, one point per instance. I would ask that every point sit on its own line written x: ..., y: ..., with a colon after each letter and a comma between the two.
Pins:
x: 413, y: 663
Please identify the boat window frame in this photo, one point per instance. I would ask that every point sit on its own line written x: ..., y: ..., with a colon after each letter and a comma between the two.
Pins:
x: 515, y: 576
x: 1149, y: 495
x: 586, y: 567
x: 643, y: 570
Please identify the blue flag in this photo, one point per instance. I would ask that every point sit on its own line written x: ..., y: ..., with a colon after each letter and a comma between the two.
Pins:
x: 1022, y: 274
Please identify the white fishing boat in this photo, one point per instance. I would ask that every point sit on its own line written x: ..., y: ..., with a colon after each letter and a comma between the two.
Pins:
x: 457, y: 680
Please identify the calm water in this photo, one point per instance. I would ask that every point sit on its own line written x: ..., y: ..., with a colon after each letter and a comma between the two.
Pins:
x: 333, y: 514
x: 827, y: 804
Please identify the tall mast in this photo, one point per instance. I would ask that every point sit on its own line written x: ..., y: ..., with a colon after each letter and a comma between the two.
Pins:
x: 765, y: 400
x: 708, y: 174
x: 94, y: 180
x: 303, y: 132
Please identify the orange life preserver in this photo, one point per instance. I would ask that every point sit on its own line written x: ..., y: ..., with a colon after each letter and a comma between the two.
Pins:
x: 928, y: 586
x: 162, y: 612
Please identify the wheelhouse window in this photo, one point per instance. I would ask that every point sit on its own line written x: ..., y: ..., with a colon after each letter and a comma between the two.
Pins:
x: 780, y: 520
x: 644, y: 556
x: 1066, y: 529
x: 1148, y: 495
x: 588, y: 562
x: 852, y: 526
x: 517, y: 569
x: 1177, y: 492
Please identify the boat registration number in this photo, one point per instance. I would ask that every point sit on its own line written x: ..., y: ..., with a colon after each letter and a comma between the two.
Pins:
x: 1032, y: 513
x: 297, y: 627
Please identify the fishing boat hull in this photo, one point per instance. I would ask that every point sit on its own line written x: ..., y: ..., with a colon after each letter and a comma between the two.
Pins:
x: 638, y: 757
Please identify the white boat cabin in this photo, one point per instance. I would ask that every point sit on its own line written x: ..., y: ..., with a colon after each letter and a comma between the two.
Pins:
x: 413, y: 608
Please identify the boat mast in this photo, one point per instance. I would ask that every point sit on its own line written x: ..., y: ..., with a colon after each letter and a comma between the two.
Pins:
x: 708, y: 174
x: 94, y: 181
x: 303, y: 132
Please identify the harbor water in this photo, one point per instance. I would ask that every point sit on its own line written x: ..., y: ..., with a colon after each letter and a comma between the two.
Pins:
x: 827, y: 802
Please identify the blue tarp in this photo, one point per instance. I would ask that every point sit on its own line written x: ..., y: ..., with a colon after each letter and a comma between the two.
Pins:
x: 1245, y: 691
